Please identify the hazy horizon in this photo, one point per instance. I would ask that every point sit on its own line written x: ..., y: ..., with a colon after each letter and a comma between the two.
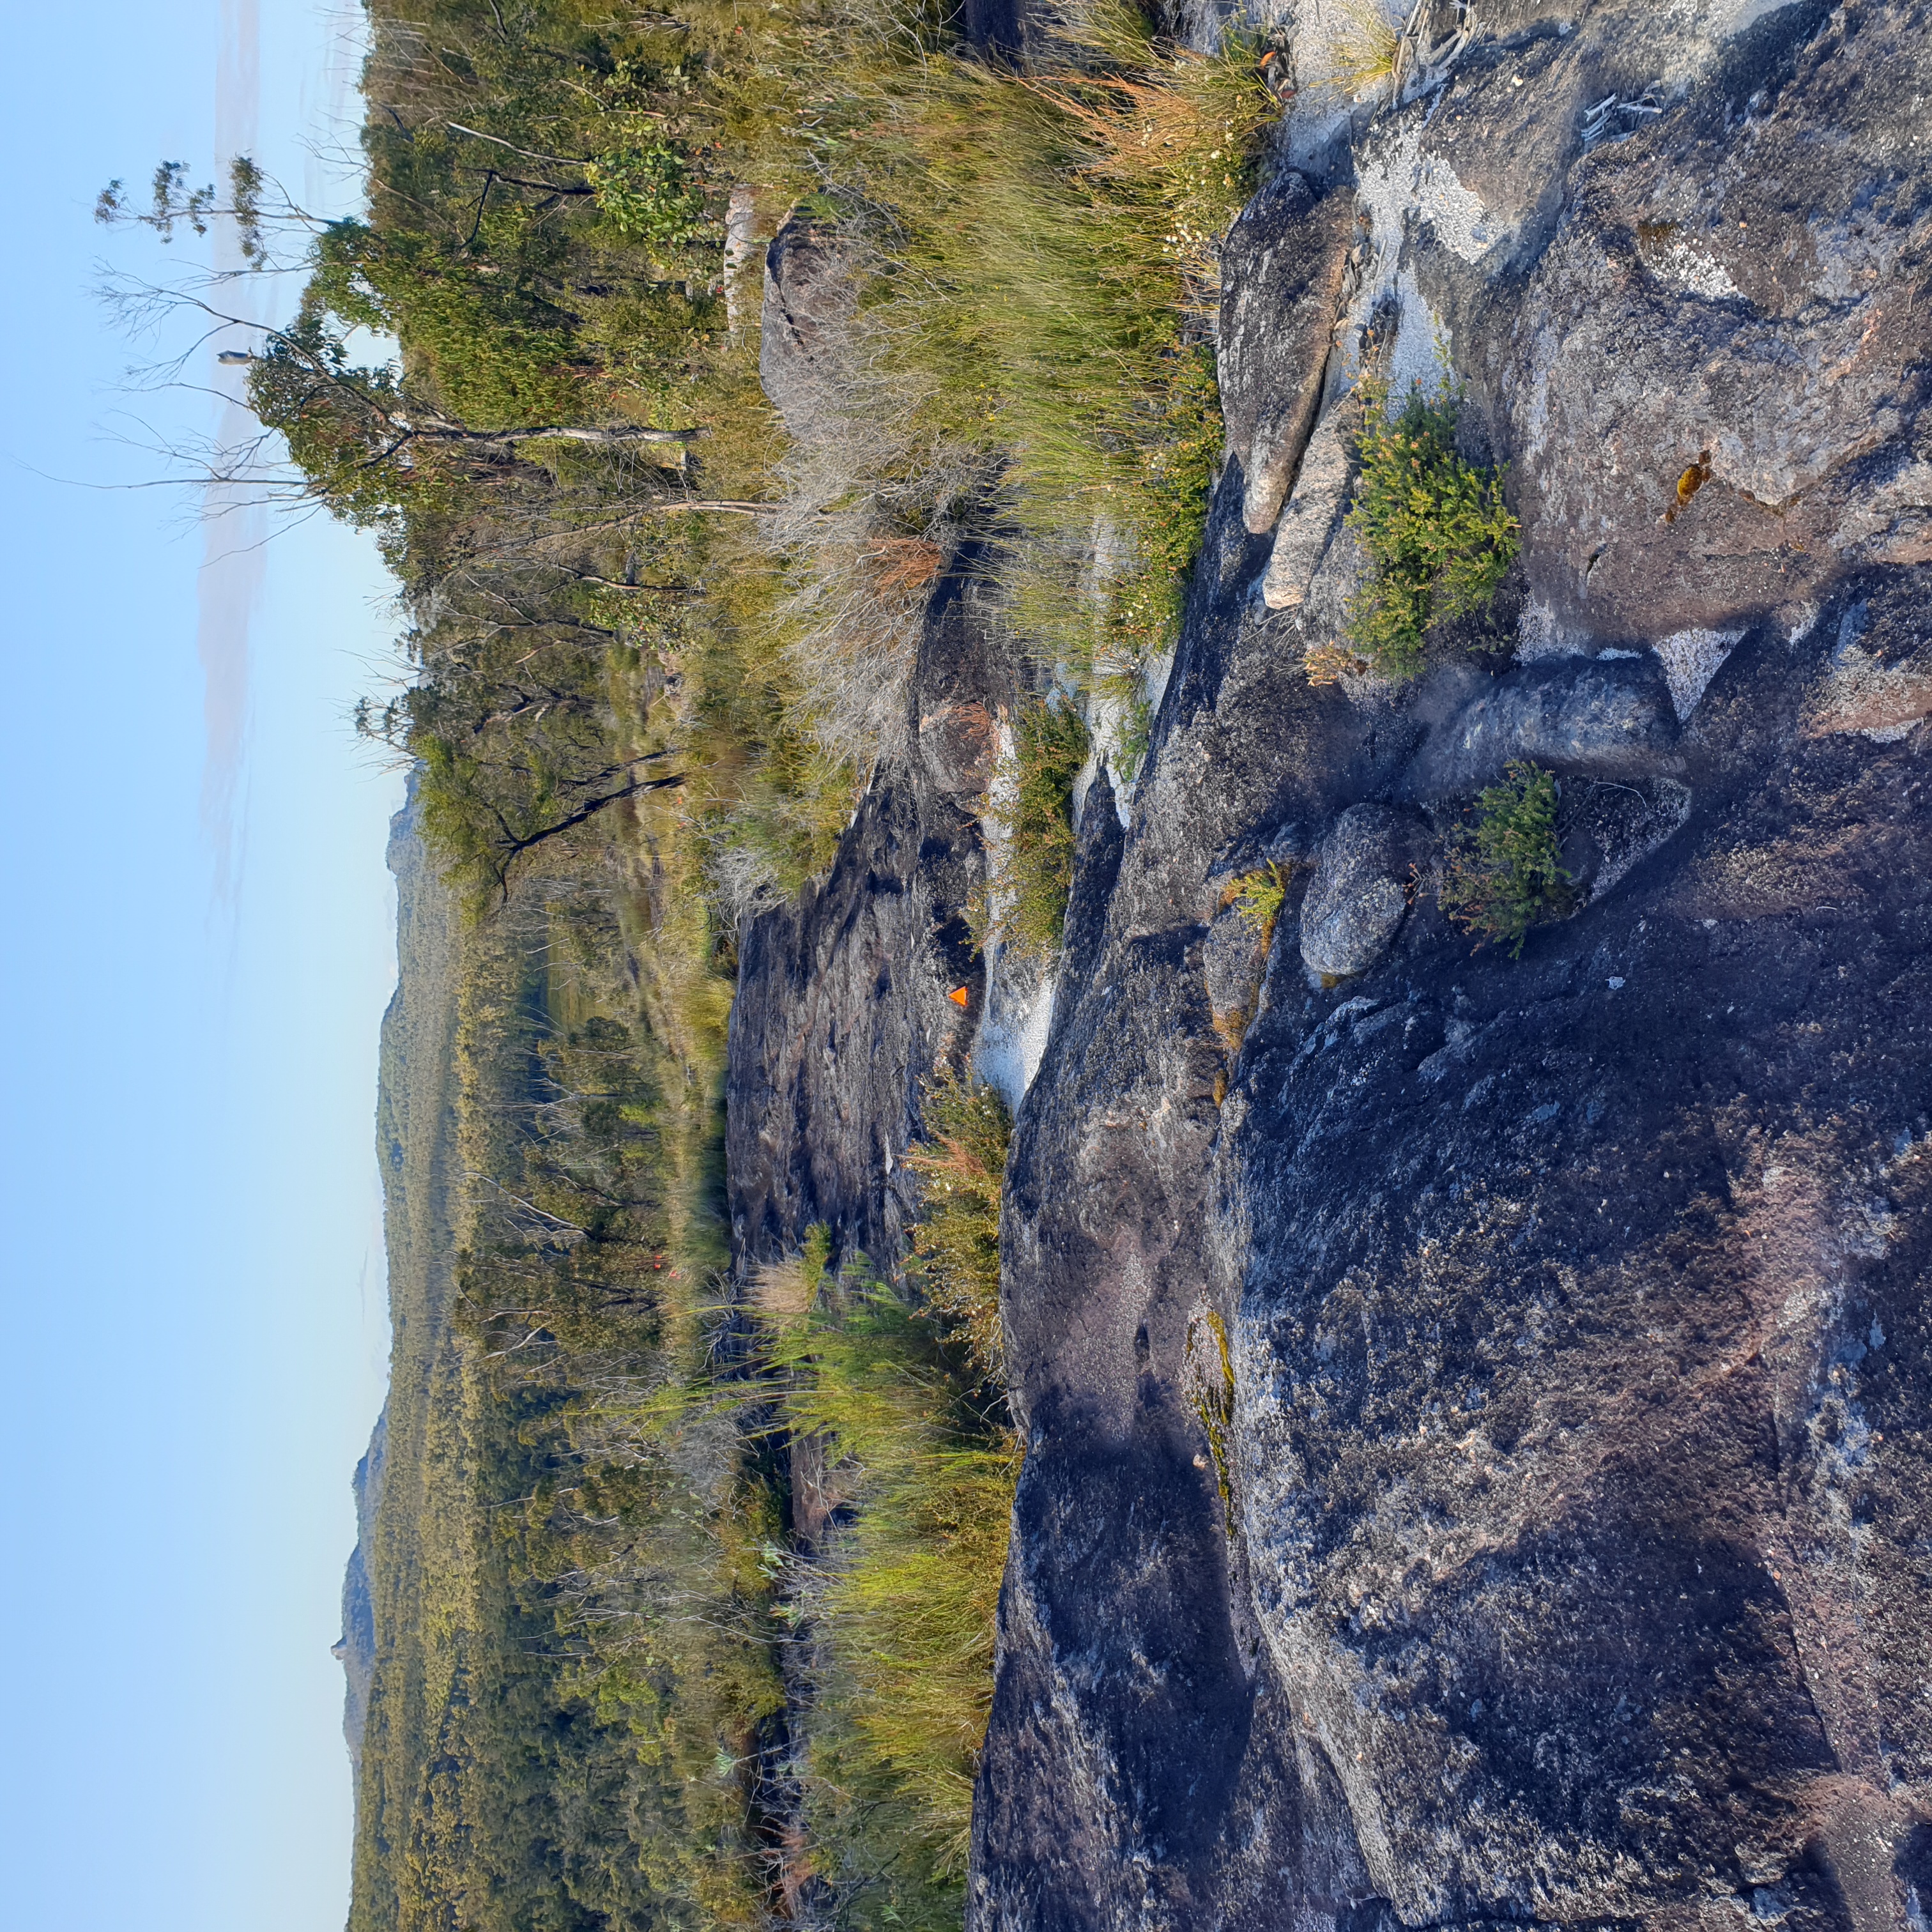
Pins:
x: 196, y: 1275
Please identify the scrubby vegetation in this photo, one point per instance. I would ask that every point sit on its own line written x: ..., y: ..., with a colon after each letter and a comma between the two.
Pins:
x: 1438, y: 536
x: 1033, y: 871
x: 1504, y: 872
x: 1081, y: 403
x: 903, y: 1495
x: 962, y: 1168
x: 902, y: 1462
x: 572, y: 1616
x: 1359, y: 47
x: 685, y: 1570
x: 1207, y: 1375
x: 1258, y: 897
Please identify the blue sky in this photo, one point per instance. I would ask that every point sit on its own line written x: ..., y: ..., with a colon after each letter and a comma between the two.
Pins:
x: 199, y: 945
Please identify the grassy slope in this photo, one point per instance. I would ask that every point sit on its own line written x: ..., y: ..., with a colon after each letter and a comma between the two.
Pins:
x: 581, y: 1586
x: 420, y: 1559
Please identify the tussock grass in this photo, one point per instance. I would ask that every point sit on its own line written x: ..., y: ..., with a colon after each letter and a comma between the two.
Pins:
x: 901, y: 1400
x: 871, y: 509
x: 1053, y: 300
x: 901, y: 1607
x: 1035, y: 255
x: 784, y: 1292
x: 1032, y: 868
x: 1358, y: 47
x: 962, y: 1168
x: 911, y: 1612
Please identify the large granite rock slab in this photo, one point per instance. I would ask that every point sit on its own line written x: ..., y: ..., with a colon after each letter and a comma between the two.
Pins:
x: 1602, y: 717
x: 1572, y: 1567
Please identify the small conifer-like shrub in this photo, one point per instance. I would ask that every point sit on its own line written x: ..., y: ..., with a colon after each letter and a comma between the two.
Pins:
x: 1257, y: 896
x: 1505, y: 872
x: 1436, y: 529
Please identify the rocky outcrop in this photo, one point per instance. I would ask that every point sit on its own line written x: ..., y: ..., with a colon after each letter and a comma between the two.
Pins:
x: 843, y: 1011
x: 1359, y: 892
x: 849, y: 996
x: 1606, y: 717
x: 1285, y: 263
x: 1571, y: 1565
x: 805, y: 335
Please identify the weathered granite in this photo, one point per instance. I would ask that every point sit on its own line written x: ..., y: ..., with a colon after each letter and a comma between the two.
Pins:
x: 1582, y: 1364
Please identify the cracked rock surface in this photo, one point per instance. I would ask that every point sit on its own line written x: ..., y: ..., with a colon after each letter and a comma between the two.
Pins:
x: 1579, y: 1572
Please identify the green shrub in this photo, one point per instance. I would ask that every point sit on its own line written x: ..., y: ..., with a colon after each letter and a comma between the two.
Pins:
x: 1136, y: 735
x: 1505, y: 872
x: 1436, y: 529
x: 1051, y: 744
x: 646, y: 192
x: 1258, y: 897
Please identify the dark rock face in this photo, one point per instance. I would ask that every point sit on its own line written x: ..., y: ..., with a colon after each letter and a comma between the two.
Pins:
x: 1598, y: 717
x: 1580, y: 1369
x: 1574, y: 1567
x: 842, y: 1011
x: 1881, y: 677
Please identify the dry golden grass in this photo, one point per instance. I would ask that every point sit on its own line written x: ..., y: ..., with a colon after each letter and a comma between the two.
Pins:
x: 904, y: 563
x: 1359, y: 46
x: 783, y: 1293
x: 779, y: 1293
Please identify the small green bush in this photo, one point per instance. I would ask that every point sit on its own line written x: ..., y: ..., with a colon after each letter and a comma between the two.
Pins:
x: 1258, y: 897
x: 1505, y: 873
x: 1436, y: 528
x: 1051, y: 744
x: 646, y: 192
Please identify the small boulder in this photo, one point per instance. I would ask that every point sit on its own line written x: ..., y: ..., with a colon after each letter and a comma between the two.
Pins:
x: 805, y: 334
x: 1606, y: 717
x: 1359, y: 894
